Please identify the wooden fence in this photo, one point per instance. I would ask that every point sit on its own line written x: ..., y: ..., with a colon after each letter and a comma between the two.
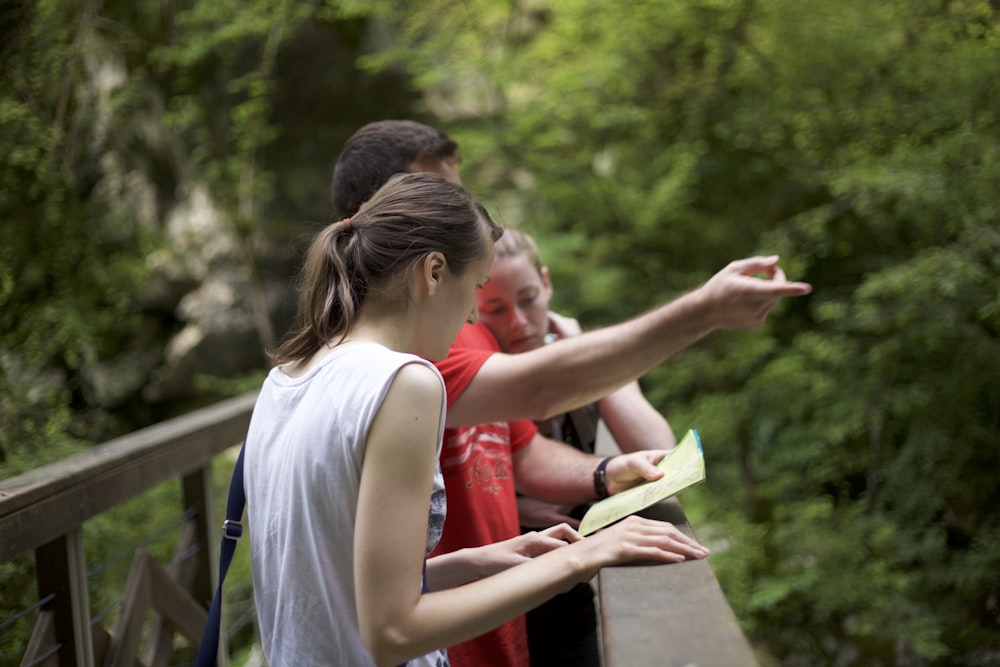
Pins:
x: 655, y: 615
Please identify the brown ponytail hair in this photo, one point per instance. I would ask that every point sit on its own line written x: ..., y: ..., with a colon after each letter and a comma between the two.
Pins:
x: 371, y: 255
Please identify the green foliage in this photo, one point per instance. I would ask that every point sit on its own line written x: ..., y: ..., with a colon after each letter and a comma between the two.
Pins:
x: 229, y: 123
x: 64, y: 256
x: 110, y: 114
x: 850, y: 440
x: 851, y: 499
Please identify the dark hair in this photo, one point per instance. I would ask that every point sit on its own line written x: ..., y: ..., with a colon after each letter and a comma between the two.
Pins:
x: 372, y: 255
x: 377, y: 151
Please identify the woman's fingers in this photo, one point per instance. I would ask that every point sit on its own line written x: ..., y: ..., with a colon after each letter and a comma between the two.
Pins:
x: 562, y: 531
x: 641, y: 538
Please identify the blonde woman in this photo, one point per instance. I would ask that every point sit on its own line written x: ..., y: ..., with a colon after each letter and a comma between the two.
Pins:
x: 514, y: 306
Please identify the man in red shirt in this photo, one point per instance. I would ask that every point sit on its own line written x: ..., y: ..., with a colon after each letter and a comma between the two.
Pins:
x: 490, y: 441
x: 478, y: 465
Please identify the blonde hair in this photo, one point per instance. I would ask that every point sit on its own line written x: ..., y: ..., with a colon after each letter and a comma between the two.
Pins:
x: 514, y: 243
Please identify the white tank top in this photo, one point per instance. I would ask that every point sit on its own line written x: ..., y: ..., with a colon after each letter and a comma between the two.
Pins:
x: 302, y: 470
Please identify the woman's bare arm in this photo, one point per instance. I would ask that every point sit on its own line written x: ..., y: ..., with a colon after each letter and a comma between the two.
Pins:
x: 396, y: 621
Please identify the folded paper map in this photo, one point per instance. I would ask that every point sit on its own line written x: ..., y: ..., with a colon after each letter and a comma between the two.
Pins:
x: 684, y: 466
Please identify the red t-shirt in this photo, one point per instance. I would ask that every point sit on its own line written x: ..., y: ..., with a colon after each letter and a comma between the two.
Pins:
x: 477, y: 464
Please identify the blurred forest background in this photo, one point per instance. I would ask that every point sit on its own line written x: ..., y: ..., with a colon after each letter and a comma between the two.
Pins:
x: 162, y: 164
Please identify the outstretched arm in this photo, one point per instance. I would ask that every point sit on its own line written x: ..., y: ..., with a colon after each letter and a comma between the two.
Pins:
x: 633, y: 422
x: 581, y: 369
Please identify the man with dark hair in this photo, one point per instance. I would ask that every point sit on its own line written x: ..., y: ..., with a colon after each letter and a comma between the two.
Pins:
x: 379, y: 150
x: 491, y: 447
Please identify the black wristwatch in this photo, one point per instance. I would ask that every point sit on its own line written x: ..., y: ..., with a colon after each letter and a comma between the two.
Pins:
x: 601, y: 479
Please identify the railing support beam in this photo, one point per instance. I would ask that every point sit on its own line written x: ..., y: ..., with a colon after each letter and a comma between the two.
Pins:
x: 61, y: 567
x: 197, y: 492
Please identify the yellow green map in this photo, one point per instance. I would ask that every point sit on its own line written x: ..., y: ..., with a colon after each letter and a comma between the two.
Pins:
x: 684, y: 466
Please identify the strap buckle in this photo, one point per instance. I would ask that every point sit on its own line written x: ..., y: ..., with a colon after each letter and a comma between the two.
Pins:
x: 232, y: 530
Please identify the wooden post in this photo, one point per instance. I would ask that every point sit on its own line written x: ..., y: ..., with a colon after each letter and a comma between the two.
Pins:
x: 198, y: 493
x: 62, y: 571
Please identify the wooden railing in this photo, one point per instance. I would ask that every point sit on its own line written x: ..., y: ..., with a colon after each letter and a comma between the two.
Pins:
x: 655, y: 615
x: 669, y: 616
x: 43, y: 511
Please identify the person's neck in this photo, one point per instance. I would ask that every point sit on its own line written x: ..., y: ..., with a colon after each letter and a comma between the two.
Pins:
x: 388, y: 332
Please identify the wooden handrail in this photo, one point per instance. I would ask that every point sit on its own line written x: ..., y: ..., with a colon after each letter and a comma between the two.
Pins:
x: 669, y: 615
x: 650, y: 615
x: 44, y: 503
x: 44, y: 510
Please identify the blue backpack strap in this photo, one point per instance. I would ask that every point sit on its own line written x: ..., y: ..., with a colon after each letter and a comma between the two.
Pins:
x: 232, y: 530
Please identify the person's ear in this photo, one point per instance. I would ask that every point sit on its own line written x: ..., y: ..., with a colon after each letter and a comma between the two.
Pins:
x: 547, y: 281
x: 432, y: 269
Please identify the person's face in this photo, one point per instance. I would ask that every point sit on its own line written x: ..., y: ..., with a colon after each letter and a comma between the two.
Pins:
x: 514, y: 304
x: 446, y: 168
x: 455, y: 304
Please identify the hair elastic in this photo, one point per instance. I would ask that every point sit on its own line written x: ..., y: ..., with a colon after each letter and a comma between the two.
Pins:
x: 347, y: 225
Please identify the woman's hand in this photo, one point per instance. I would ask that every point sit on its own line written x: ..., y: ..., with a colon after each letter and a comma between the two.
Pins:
x: 465, y: 565
x: 637, y: 539
x: 499, y: 556
x: 562, y: 326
